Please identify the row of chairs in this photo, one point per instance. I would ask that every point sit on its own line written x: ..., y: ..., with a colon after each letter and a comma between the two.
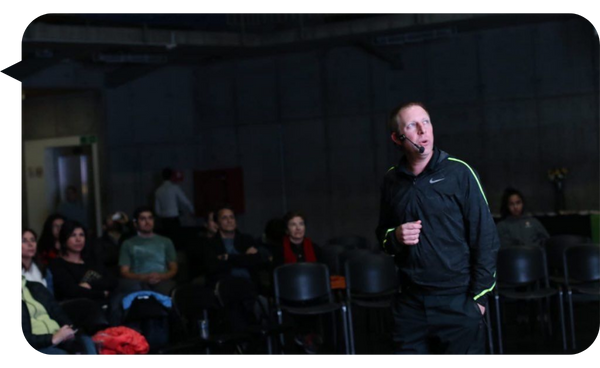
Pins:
x: 299, y: 289
x: 371, y: 281
x: 522, y: 274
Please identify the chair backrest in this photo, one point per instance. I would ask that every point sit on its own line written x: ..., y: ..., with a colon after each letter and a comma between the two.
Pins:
x: 371, y: 274
x: 523, y: 264
x: 354, y: 241
x: 192, y: 300
x: 231, y: 290
x: 301, y: 282
x: 582, y: 263
x: 555, y: 248
x: 330, y: 256
x: 351, y: 254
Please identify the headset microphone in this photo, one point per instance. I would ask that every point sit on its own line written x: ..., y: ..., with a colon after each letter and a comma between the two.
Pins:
x: 421, y: 149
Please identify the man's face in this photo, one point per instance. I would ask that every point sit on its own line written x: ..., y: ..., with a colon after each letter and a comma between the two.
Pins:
x: 415, y: 124
x: 145, y: 222
x: 226, y: 220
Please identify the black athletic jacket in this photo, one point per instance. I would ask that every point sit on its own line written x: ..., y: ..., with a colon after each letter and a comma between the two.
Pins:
x: 458, y: 243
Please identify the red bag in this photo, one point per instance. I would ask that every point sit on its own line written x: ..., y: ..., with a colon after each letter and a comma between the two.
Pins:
x: 120, y: 340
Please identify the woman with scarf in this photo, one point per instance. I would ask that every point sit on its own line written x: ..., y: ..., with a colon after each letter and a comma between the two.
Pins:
x: 297, y: 247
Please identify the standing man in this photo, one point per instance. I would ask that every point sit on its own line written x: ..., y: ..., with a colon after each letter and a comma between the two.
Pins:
x: 434, y: 219
x: 169, y: 200
x: 147, y: 261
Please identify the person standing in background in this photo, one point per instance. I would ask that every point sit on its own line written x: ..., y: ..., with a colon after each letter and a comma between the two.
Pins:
x: 169, y: 200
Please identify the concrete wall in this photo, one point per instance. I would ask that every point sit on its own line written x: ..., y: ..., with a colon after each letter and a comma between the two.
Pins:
x: 309, y: 131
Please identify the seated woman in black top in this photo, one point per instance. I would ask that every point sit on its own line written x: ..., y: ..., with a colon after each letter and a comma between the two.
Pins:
x: 75, y: 276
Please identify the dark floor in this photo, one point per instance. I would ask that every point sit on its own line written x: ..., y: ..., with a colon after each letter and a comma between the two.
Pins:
x: 523, y: 339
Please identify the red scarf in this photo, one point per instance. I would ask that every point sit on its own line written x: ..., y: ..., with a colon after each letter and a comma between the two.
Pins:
x: 290, y: 257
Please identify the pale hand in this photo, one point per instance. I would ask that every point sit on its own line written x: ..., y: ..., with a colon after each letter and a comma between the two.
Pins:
x: 251, y: 250
x: 481, y: 308
x: 85, y: 285
x: 408, y: 233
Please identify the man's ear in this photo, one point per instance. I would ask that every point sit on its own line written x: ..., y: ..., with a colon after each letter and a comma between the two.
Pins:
x: 396, y: 139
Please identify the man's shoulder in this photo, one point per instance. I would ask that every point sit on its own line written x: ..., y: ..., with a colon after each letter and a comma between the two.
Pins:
x: 162, y: 239
x: 457, y: 165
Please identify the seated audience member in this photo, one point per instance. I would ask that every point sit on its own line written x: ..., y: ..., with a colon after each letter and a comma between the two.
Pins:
x: 230, y: 252
x: 107, y: 247
x: 31, y: 266
x: 195, y: 250
x: 41, y: 320
x: 272, y: 237
x: 49, y: 244
x: 75, y: 274
x: 210, y: 228
x: 147, y: 261
x: 296, y: 246
x: 516, y: 227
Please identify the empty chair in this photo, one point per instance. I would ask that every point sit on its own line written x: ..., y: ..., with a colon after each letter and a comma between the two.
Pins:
x: 352, y: 254
x: 304, y: 289
x: 555, y: 248
x: 371, y: 282
x: 247, y: 312
x: 197, y: 306
x: 331, y: 257
x: 522, y: 275
x: 582, y: 276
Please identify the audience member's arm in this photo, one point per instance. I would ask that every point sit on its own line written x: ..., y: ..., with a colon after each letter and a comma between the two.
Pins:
x: 68, y: 287
x: 126, y: 273
x: 171, y: 272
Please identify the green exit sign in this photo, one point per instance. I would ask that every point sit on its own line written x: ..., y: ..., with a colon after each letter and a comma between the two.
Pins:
x: 88, y: 139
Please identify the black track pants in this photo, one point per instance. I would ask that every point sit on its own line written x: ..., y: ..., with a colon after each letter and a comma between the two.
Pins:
x: 447, y: 324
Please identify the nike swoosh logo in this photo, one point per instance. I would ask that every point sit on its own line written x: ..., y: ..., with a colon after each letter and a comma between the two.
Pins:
x: 431, y: 181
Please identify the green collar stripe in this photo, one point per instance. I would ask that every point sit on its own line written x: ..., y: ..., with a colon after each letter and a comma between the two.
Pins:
x: 390, y: 169
x: 475, y: 176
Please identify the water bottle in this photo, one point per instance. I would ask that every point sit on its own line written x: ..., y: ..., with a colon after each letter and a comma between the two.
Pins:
x: 203, y: 325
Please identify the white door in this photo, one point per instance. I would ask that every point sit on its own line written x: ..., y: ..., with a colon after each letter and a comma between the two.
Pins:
x: 52, y: 165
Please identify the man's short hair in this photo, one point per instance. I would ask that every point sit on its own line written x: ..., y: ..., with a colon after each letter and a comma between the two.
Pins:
x: 138, y: 211
x: 167, y: 173
x: 393, y: 119
x: 221, y: 208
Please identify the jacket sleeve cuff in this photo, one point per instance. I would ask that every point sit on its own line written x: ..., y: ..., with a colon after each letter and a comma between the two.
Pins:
x: 390, y: 243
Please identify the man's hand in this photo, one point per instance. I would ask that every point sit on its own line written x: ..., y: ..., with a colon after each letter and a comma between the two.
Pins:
x: 154, y: 278
x: 251, y: 250
x: 408, y: 233
x: 85, y: 285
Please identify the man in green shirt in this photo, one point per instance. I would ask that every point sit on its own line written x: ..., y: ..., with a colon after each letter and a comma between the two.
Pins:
x: 147, y: 261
